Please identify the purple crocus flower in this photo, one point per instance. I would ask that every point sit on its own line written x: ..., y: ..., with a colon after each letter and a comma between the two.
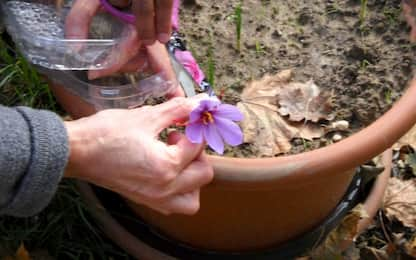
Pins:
x: 212, y: 121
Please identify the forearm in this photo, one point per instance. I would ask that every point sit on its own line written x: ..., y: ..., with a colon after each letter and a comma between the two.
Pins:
x: 33, y: 155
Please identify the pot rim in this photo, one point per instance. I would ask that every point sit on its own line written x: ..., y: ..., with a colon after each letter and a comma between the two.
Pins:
x: 337, y: 157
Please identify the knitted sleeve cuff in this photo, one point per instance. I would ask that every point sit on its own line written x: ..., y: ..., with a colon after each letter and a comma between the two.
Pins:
x: 49, y: 154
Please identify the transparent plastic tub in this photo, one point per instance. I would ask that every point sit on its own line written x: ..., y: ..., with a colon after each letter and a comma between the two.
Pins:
x: 120, y: 91
x: 37, y: 27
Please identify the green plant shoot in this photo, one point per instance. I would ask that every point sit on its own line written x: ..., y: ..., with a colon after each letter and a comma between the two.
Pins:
x: 211, y: 66
x: 238, y: 24
x: 363, y: 11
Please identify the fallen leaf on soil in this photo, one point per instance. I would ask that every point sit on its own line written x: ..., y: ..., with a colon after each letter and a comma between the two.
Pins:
x: 400, y: 201
x: 408, y: 139
x: 346, y: 231
x: 411, y: 248
x: 304, y: 101
x: 263, y: 127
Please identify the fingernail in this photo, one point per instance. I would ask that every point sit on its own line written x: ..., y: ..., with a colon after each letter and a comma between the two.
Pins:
x: 163, y: 37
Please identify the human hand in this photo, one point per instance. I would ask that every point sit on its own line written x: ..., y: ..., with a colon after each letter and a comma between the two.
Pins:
x: 130, y: 56
x: 153, y: 18
x: 409, y: 9
x: 154, y: 58
x: 119, y: 150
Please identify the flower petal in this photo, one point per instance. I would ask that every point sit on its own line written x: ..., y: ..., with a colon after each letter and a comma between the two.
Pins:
x: 213, y: 138
x: 194, y: 132
x: 209, y: 104
x: 196, y: 114
x: 230, y: 131
x: 229, y: 112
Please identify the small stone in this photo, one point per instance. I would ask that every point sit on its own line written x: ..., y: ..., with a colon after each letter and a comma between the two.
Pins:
x: 401, y: 164
x: 340, y: 125
x: 276, y: 34
x: 337, y: 137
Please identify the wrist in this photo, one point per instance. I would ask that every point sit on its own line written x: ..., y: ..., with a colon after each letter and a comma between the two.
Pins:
x: 78, y: 138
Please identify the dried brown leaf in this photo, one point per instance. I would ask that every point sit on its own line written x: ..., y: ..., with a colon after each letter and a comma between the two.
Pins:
x: 400, y: 201
x: 347, y: 230
x: 411, y: 248
x: 263, y: 127
x: 304, y: 101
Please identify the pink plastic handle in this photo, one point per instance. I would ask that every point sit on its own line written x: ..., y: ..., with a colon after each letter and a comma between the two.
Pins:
x: 125, y: 17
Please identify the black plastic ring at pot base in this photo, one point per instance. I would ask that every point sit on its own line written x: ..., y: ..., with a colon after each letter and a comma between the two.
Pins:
x: 293, y: 248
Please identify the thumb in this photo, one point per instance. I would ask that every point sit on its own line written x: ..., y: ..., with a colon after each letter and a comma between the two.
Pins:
x: 172, y: 111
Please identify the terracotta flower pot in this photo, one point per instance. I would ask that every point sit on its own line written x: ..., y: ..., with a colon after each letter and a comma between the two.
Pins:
x: 142, y: 242
x: 254, y: 204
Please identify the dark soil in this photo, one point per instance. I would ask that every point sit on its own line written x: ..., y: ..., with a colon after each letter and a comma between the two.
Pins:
x: 366, y: 63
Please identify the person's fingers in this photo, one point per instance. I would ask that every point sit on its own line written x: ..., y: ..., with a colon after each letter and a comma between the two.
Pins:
x: 174, y: 110
x: 177, y: 92
x: 145, y: 20
x: 155, y: 205
x: 127, y: 49
x: 185, y: 154
x: 196, y: 175
x: 187, y: 203
x: 159, y: 61
x: 137, y: 63
x: 78, y: 21
x: 163, y: 19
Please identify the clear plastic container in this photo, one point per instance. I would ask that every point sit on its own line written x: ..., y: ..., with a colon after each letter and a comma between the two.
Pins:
x: 121, y: 91
x: 37, y: 27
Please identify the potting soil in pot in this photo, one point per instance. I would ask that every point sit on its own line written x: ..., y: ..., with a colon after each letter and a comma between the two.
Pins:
x: 358, y: 55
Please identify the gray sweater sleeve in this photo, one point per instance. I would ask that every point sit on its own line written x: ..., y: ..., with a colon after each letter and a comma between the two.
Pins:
x: 33, y: 155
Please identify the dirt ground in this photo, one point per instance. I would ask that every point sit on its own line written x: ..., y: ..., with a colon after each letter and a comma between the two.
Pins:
x: 363, y: 57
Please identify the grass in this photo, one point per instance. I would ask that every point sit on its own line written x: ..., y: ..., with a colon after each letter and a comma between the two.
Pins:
x: 333, y: 8
x: 238, y: 24
x: 387, y: 96
x: 363, y: 12
x: 364, y: 65
x: 20, y: 84
x: 64, y: 230
x: 211, y: 64
x: 259, y: 48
